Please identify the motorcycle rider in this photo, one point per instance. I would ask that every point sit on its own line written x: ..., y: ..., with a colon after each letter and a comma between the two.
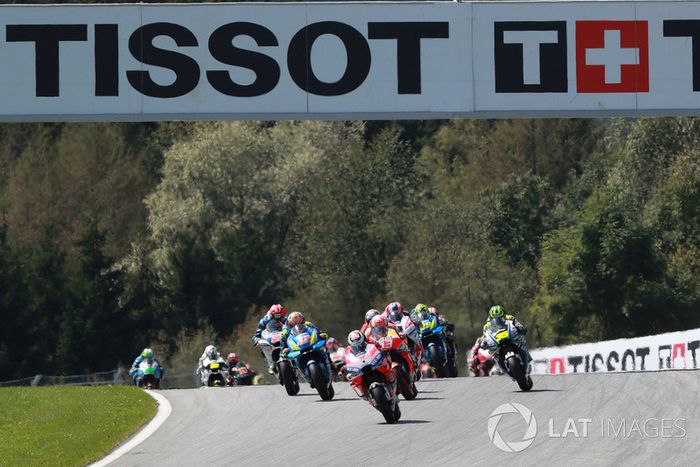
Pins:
x: 499, y: 318
x: 336, y: 354
x: 380, y: 327
x: 473, y: 359
x: 234, y: 363
x: 210, y: 355
x: 276, y: 315
x: 395, y: 314
x: 371, y: 313
x: 147, y: 355
x: 295, y: 318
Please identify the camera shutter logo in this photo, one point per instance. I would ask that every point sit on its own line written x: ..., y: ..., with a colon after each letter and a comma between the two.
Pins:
x: 528, y: 437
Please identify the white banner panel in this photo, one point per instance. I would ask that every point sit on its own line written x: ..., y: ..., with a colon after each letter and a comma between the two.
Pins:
x: 670, y: 351
x: 349, y: 60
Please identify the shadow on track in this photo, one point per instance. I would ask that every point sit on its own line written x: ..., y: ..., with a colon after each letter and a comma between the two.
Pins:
x: 539, y: 390
x: 410, y: 422
x: 419, y: 398
x: 341, y: 399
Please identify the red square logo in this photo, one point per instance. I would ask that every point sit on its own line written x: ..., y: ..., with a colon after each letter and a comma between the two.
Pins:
x: 612, y: 56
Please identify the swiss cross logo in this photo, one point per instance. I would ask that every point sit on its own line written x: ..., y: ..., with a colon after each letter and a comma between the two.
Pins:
x: 612, y: 56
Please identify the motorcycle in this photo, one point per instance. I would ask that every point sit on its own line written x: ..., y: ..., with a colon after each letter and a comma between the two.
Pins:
x: 452, y: 352
x: 505, y: 345
x: 479, y: 362
x: 212, y: 373
x: 434, y: 351
x: 269, y: 344
x: 413, y: 337
x: 338, y: 364
x: 397, y: 349
x: 372, y: 379
x: 148, y: 375
x: 307, y: 356
x: 240, y: 376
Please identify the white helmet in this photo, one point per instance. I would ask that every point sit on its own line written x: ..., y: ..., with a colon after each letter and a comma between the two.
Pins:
x: 211, y: 352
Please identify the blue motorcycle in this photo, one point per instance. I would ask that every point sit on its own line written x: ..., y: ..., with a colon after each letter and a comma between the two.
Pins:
x: 148, y: 374
x: 434, y: 351
x: 307, y: 356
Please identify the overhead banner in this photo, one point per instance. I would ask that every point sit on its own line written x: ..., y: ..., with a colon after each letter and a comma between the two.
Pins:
x: 348, y: 60
x: 670, y: 351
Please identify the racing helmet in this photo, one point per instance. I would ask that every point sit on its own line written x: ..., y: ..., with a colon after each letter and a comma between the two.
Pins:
x: 147, y: 354
x: 393, y: 306
x: 421, y: 311
x: 277, y: 311
x: 497, y: 315
x: 371, y: 313
x: 295, y: 318
x: 232, y: 358
x: 332, y: 344
x: 356, y: 341
x: 211, y: 352
x: 378, y: 325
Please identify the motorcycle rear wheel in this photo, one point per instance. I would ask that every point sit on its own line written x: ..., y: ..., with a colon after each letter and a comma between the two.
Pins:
x: 435, y: 362
x: 408, y: 388
x: 289, y: 379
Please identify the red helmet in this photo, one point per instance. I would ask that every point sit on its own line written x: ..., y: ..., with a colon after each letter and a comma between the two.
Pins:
x: 356, y: 341
x: 393, y: 306
x: 232, y: 358
x: 295, y: 318
x: 378, y: 325
x: 433, y: 311
x: 371, y: 313
x: 277, y: 311
x: 332, y: 344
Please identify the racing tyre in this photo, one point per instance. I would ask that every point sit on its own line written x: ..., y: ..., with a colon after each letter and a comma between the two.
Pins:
x: 325, y: 391
x: 290, y: 382
x: 435, y: 362
x: 518, y: 373
x: 378, y: 394
x: 397, y: 411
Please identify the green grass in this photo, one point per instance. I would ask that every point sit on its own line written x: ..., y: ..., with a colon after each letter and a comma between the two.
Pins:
x: 62, y: 425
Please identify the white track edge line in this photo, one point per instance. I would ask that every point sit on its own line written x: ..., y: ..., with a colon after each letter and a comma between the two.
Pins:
x: 164, y: 409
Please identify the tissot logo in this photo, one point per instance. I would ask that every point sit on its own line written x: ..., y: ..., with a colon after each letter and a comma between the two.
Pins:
x: 530, y: 56
x: 612, y: 56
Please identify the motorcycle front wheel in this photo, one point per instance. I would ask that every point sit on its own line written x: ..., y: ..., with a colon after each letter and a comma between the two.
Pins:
x: 383, y: 404
x: 516, y: 370
x: 324, y: 390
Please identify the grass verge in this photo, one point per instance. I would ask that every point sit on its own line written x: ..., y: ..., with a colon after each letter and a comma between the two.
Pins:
x: 63, y: 425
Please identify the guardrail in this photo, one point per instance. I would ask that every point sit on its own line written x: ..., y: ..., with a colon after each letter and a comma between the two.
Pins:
x: 119, y: 376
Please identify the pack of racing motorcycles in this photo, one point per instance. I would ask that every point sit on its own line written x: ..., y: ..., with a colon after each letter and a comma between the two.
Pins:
x: 382, y: 360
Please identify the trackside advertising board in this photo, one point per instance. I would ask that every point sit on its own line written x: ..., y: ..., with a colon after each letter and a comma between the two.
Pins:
x: 670, y: 351
x: 348, y: 60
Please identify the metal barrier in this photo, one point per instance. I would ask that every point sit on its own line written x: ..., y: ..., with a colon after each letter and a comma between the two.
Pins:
x: 120, y: 376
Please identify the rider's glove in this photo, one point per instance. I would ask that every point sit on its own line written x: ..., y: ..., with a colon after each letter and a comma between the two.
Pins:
x: 402, y: 335
x: 323, y: 336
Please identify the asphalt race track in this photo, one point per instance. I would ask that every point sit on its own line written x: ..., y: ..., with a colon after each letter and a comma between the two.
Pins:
x: 635, y: 419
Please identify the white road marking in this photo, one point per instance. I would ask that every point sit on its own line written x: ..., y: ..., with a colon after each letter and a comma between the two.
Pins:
x: 164, y: 409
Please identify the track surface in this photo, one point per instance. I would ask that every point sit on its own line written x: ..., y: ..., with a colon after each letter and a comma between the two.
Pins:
x: 447, y: 424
